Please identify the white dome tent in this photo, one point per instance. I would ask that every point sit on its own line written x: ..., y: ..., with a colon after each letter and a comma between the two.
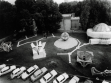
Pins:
x: 102, y: 27
x: 100, y: 34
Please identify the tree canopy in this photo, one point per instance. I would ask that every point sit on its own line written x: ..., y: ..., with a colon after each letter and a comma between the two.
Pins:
x: 94, y: 12
x: 71, y: 7
x: 8, y: 17
x: 24, y: 4
x: 47, y: 15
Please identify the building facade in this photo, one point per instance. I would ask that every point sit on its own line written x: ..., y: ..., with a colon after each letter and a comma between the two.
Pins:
x: 69, y: 22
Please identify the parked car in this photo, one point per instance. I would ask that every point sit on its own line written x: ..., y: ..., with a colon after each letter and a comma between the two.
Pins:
x: 61, y: 78
x: 75, y: 79
x: 38, y: 74
x: 7, y: 69
x: 48, y: 77
x: 2, y: 66
x: 29, y: 71
x: 17, y: 72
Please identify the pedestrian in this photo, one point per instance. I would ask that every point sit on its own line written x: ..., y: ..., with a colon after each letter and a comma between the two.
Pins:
x: 45, y: 35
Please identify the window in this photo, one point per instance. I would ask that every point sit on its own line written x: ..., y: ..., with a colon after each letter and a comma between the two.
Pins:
x: 37, y: 73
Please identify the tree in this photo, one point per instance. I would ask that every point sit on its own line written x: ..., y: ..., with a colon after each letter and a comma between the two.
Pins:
x: 47, y: 15
x: 24, y: 13
x: 65, y: 8
x: 99, y: 11
x: 79, y: 8
x: 71, y: 7
x: 44, y: 12
x: 8, y: 17
x: 85, y: 16
x: 24, y: 4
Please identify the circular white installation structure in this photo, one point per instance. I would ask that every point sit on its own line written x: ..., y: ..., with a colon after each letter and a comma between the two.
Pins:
x: 100, y: 30
x: 68, y: 43
x: 101, y: 27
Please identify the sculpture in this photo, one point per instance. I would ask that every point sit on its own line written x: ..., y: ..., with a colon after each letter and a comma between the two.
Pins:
x: 84, y: 57
x: 38, y: 50
x: 64, y: 36
x: 6, y: 46
x: 96, y: 72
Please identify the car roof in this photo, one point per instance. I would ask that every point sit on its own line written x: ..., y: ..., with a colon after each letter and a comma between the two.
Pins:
x: 47, y: 75
x: 37, y: 72
x: 16, y: 70
x: 5, y: 68
x: 61, y: 77
x: 30, y: 69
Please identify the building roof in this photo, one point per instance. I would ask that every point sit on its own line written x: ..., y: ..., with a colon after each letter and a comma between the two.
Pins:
x: 66, y: 15
x: 101, y: 27
x: 75, y: 18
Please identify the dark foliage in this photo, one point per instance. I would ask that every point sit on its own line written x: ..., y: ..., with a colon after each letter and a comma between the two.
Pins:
x: 71, y: 7
x: 8, y: 17
x: 47, y: 15
x: 94, y: 12
x: 24, y: 4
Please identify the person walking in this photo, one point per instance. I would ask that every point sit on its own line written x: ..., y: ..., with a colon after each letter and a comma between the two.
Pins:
x: 45, y: 35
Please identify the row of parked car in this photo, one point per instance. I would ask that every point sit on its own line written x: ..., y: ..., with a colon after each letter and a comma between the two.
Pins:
x: 34, y: 72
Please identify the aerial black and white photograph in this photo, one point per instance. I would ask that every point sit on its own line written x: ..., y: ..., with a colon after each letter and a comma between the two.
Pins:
x: 55, y: 41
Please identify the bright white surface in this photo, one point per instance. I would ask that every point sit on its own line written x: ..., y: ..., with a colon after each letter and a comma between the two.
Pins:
x: 71, y: 42
x: 30, y: 69
x: 75, y: 79
x: 105, y: 81
x: 5, y: 68
x: 60, y: 78
x: 47, y: 76
x: 2, y: 66
x: 16, y: 70
x: 93, y: 34
x: 57, y: 1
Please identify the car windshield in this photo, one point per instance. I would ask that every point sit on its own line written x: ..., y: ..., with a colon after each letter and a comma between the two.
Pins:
x: 16, y: 71
x: 37, y: 73
x: 30, y: 69
x: 5, y: 69
x: 47, y: 76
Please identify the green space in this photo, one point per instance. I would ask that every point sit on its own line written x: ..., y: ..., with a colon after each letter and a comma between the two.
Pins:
x: 36, y: 19
x: 22, y: 56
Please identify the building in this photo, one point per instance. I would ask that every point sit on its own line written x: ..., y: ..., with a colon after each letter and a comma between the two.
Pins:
x: 75, y: 24
x: 69, y: 22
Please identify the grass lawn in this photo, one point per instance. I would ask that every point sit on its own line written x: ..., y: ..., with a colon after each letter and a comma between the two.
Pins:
x: 22, y: 56
x: 101, y: 59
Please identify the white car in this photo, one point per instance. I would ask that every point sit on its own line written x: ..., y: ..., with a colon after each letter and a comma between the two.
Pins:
x: 61, y: 78
x: 17, y: 72
x: 48, y: 77
x: 7, y: 69
x: 104, y: 81
x: 75, y: 79
x: 39, y: 73
x: 2, y: 66
x: 29, y: 71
